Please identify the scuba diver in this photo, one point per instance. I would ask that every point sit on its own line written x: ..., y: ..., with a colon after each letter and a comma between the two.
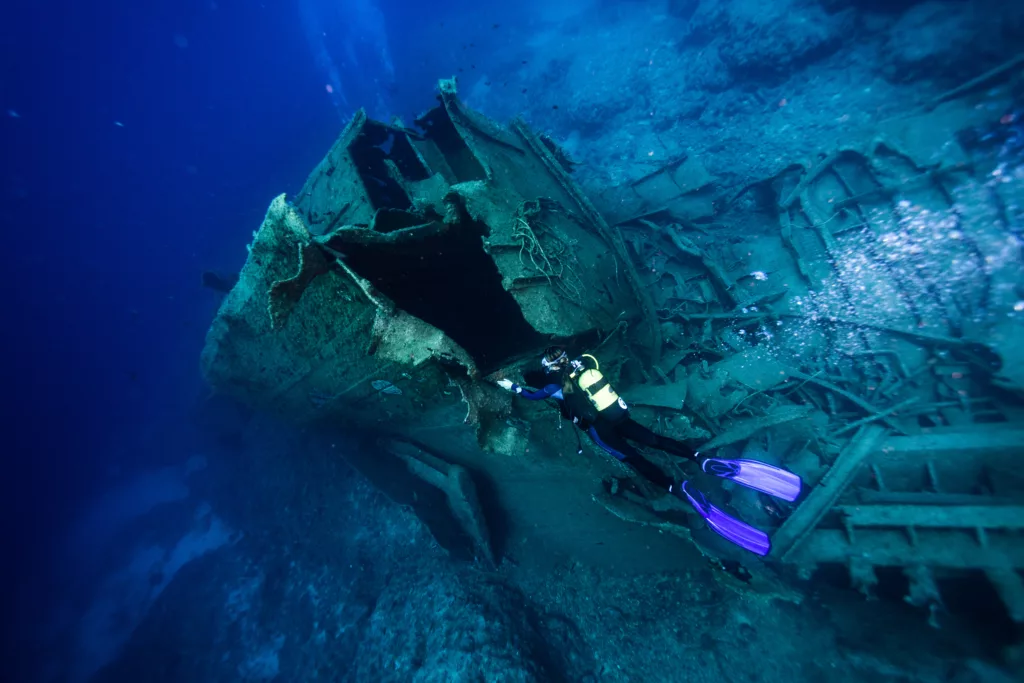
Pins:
x: 587, y: 398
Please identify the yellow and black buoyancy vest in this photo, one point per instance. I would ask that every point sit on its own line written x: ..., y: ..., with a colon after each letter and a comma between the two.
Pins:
x: 596, y: 387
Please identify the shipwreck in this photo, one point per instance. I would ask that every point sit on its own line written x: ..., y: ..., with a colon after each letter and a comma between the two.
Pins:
x: 854, y: 317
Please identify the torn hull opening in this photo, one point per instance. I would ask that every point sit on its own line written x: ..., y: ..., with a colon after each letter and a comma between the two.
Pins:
x: 447, y: 280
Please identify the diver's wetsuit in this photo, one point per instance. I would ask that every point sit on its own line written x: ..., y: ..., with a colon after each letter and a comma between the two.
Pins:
x: 612, y: 434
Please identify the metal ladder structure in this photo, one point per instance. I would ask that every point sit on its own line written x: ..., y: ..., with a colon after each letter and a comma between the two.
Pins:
x: 932, y: 504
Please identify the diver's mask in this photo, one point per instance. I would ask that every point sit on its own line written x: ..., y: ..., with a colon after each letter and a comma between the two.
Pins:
x: 555, y: 365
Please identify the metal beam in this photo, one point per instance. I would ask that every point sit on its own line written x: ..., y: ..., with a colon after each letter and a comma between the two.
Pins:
x: 956, y: 459
x: 894, y: 548
x: 952, y: 443
x: 923, y: 516
x: 869, y: 497
x: 824, y: 495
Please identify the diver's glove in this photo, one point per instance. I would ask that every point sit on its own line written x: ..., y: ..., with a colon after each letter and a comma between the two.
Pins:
x: 508, y: 385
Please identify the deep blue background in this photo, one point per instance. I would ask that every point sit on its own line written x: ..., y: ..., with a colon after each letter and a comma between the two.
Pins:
x: 107, y: 228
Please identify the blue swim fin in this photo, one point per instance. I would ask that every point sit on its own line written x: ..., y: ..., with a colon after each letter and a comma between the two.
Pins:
x: 729, y: 528
x: 756, y: 475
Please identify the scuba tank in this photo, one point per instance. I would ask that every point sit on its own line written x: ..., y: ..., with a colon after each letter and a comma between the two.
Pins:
x: 595, y: 386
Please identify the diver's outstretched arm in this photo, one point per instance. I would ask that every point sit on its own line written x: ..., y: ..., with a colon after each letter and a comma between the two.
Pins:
x: 550, y: 391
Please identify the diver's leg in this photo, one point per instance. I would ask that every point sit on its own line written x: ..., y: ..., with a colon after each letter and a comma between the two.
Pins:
x: 634, y: 431
x: 649, y: 471
x: 608, y: 438
x: 605, y: 437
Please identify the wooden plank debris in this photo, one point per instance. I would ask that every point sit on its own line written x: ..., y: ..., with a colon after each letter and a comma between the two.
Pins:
x: 746, y: 428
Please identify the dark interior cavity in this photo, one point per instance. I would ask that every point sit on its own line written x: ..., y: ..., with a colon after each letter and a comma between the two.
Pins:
x: 390, y: 220
x: 383, y: 191
x: 448, y: 281
x: 375, y: 145
x: 406, y: 159
x: 456, y: 152
x: 975, y: 600
x: 969, y: 597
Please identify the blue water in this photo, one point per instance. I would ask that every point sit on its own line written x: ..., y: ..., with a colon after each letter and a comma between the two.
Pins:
x: 141, y: 144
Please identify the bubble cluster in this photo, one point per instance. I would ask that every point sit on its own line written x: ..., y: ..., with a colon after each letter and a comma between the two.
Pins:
x: 909, y: 267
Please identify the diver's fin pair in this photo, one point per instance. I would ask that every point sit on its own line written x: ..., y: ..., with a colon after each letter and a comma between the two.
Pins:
x: 750, y: 473
x: 729, y: 528
x: 756, y: 475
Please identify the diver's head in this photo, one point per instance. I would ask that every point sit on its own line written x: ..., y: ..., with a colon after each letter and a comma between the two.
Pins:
x: 554, y: 360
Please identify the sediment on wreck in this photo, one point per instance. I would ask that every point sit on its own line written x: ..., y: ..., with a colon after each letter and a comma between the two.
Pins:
x: 414, y: 262
x: 856, y: 305
x: 852, y: 317
x: 411, y: 264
